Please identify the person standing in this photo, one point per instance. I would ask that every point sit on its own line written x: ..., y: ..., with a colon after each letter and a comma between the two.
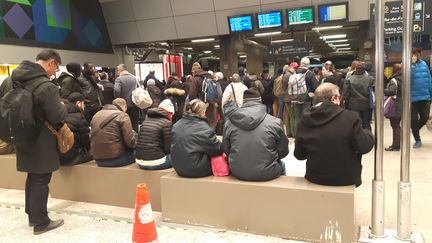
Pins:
x: 90, y: 90
x: 68, y: 80
x: 39, y: 158
x: 421, y: 95
x: 289, y: 119
x: 124, y: 85
x: 108, y: 89
x: 394, y: 88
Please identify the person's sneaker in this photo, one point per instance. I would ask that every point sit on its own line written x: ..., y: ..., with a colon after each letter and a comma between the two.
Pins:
x: 53, y: 224
x: 417, y: 144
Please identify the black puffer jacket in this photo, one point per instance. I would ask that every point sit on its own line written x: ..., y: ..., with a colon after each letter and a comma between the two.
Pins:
x: 80, y: 128
x: 68, y: 85
x: 332, y: 140
x: 255, y: 143
x: 154, y: 138
x: 192, y: 146
x: 90, y: 90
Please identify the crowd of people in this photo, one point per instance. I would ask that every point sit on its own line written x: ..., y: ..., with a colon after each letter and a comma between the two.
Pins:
x: 327, y: 111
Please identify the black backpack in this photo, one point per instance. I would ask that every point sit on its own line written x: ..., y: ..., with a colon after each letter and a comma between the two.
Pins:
x: 18, y: 122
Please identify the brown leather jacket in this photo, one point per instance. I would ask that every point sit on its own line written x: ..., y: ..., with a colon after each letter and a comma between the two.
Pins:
x: 115, y: 138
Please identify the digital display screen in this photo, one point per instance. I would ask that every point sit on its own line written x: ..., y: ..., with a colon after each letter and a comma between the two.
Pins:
x: 328, y: 13
x: 301, y: 16
x: 269, y: 20
x: 240, y: 23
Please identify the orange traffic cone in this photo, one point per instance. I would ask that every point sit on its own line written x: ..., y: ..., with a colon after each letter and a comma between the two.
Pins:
x: 144, y: 229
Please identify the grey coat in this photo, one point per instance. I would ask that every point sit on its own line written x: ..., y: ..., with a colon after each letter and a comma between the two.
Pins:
x: 123, y: 87
x: 355, y: 91
x: 42, y: 155
x: 255, y: 143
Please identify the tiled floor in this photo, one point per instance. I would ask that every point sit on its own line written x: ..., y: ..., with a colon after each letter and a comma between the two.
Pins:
x: 100, y: 223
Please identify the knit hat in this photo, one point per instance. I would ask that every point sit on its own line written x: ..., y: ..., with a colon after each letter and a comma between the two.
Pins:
x: 151, y: 82
x: 167, y: 105
x: 305, y: 62
x: 74, y: 68
x: 251, y: 94
x: 75, y: 96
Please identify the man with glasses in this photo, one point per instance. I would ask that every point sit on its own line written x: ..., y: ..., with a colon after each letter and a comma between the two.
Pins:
x: 332, y: 140
x: 39, y: 157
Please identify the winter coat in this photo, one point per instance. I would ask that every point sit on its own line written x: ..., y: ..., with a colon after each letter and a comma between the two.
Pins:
x: 90, y: 90
x: 154, y: 138
x: 246, y: 80
x: 108, y: 92
x: 332, y: 141
x: 255, y: 143
x: 334, y: 79
x: 311, y: 81
x: 228, y: 94
x: 394, y: 87
x: 421, y: 86
x: 192, y: 145
x: 155, y: 95
x: 285, y: 81
x: 178, y: 98
x: 267, y: 97
x: 42, y: 155
x: 80, y: 128
x: 355, y: 91
x: 123, y: 87
x: 195, y: 90
x: 68, y: 85
x: 115, y: 138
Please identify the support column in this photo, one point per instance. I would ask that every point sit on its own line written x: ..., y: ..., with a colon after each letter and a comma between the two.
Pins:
x: 229, y: 46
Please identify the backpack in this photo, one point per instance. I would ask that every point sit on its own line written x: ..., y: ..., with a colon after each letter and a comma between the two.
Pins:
x: 18, y: 123
x: 141, y: 97
x: 278, y: 87
x: 211, y: 92
x: 297, y: 88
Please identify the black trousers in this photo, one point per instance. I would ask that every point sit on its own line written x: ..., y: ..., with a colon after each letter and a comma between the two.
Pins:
x: 133, y: 113
x: 419, y: 117
x: 36, y: 198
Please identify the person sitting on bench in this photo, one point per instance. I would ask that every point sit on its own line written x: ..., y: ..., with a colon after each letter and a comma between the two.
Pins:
x: 80, y: 152
x: 332, y: 140
x: 254, y: 141
x: 194, y: 143
x: 113, y: 140
x: 154, y: 138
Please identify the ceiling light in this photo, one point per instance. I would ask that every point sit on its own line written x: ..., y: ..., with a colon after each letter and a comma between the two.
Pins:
x: 327, y: 28
x: 253, y: 42
x: 336, y: 41
x: 203, y: 40
x: 216, y: 46
x: 207, y: 52
x: 344, y: 49
x: 268, y: 33
x: 163, y: 43
x: 243, y: 56
x: 333, y: 36
x: 280, y: 41
x: 188, y: 48
x: 341, y: 45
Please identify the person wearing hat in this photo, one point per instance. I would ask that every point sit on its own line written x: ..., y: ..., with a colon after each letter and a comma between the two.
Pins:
x: 154, y: 92
x: 68, y: 80
x: 154, y: 138
x: 80, y: 152
x: 326, y: 69
x: 254, y: 141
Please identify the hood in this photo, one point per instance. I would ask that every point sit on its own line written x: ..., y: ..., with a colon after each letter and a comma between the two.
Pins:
x: 174, y: 91
x: 154, y: 89
x: 249, y: 116
x: 71, y: 108
x: 64, y: 75
x: 28, y: 71
x: 157, y: 112
x: 321, y: 114
x: 203, y: 74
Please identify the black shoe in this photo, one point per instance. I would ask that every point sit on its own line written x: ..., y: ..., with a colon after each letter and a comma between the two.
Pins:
x: 391, y: 148
x: 37, y: 230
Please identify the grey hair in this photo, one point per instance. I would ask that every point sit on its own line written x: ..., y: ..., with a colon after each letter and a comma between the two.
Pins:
x: 325, y: 92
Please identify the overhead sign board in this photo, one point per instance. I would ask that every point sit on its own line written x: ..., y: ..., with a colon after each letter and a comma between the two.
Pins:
x: 269, y: 20
x: 240, y: 23
x: 290, y: 49
x: 304, y: 15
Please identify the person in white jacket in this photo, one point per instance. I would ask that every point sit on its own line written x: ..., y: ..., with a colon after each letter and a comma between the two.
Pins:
x: 238, y: 88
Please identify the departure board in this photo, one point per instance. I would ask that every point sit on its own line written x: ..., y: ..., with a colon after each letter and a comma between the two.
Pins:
x: 269, y: 20
x: 303, y: 15
x: 334, y: 12
x: 240, y: 23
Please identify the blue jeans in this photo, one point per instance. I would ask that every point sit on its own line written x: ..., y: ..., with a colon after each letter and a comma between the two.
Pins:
x: 126, y: 159
x: 163, y: 166
x: 280, y: 108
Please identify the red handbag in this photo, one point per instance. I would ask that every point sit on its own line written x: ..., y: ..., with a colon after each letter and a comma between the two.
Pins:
x: 220, y: 165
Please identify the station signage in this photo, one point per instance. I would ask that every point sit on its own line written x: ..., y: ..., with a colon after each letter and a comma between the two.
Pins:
x: 393, y: 18
x: 290, y: 49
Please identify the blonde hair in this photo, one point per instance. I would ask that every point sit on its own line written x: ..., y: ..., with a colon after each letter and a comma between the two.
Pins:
x: 196, y: 107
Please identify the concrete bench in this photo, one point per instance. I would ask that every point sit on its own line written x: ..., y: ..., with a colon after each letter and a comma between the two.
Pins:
x: 288, y: 207
x: 111, y: 186
x: 10, y: 178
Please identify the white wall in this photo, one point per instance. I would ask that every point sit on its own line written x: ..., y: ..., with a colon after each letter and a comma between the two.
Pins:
x: 15, y: 54
x: 135, y: 21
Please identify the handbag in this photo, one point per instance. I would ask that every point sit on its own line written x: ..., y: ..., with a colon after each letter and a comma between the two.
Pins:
x: 141, y: 97
x: 65, y: 137
x: 231, y: 105
x: 390, y: 104
x: 220, y: 166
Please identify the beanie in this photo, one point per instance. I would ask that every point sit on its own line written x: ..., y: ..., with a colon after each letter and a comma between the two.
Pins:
x: 251, y: 94
x: 151, y: 82
x: 167, y: 105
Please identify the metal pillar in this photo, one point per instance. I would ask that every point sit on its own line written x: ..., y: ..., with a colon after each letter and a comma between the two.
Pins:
x: 378, y: 184
x: 404, y: 185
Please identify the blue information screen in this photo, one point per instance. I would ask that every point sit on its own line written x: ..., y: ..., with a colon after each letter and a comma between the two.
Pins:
x: 240, y: 23
x: 269, y: 20
x: 332, y: 13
